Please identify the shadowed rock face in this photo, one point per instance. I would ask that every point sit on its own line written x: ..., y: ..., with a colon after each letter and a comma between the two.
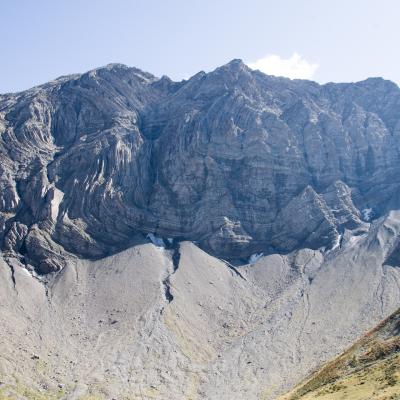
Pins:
x: 236, y: 160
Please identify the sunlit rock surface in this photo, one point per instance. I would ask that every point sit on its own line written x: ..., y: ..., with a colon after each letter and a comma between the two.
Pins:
x: 216, y: 238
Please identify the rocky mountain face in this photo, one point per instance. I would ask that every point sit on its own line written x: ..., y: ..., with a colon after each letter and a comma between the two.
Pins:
x: 216, y: 238
x: 235, y: 160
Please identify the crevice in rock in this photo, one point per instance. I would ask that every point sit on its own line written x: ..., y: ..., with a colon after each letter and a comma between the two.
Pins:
x: 12, y: 269
x: 167, y: 289
x: 47, y: 292
x: 234, y: 269
x: 176, y: 255
x: 13, y: 275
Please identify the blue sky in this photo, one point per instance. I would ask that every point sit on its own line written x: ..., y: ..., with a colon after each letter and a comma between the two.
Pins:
x: 333, y: 40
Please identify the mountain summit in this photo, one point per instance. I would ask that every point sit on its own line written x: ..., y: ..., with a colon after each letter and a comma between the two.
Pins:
x: 92, y: 163
x: 215, y: 238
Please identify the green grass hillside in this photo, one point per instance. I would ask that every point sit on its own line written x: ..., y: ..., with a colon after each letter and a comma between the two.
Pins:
x: 369, y: 370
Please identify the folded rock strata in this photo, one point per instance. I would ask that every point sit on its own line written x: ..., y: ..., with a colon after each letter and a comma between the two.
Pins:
x: 215, y: 238
x: 231, y: 159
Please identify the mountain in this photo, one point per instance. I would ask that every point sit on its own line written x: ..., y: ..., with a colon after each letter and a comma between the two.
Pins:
x: 214, y: 238
x: 92, y: 163
x: 368, y: 370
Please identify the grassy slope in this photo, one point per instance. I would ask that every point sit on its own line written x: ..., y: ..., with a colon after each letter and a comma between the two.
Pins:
x: 369, y: 370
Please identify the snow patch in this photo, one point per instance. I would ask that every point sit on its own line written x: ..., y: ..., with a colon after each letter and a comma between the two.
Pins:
x: 32, y: 274
x: 367, y: 214
x: 354, y: 239
x: 337, y: 244
x: 255, y: 257
x: 26, y: 272
x: 55, y: 202
x: 157, y: 241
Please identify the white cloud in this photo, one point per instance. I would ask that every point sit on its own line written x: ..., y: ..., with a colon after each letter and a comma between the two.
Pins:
x: 294, y: 67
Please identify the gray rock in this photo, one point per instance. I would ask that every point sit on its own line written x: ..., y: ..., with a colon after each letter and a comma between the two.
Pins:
x: 15, y: 237
x: 99, y: 160
x: 144, y: 323
x: 244, y: 164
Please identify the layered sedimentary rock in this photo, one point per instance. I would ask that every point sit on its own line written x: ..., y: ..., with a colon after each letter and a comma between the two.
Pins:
x: 231, y: 159
x: 215, y: 238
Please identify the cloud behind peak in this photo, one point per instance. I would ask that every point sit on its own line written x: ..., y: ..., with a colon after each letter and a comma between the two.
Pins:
x: 294, y: 67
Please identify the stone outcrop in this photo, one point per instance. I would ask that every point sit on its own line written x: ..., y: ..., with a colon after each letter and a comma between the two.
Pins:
x: 215, y: 238
x: 235, y: 160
